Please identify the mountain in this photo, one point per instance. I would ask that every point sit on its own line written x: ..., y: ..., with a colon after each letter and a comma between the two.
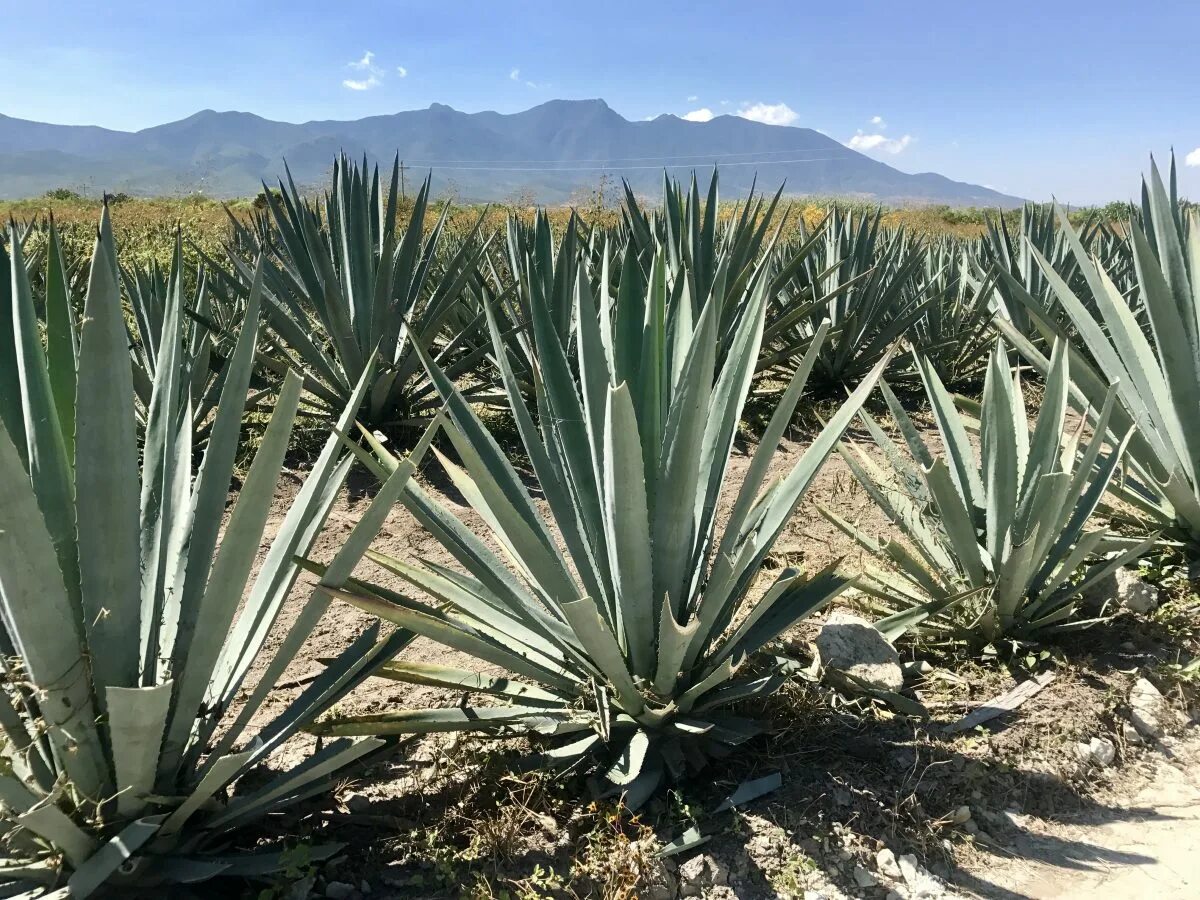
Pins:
x: 552, y: 153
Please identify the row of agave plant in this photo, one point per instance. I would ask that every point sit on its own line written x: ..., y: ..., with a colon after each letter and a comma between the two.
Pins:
x: 624, y: 604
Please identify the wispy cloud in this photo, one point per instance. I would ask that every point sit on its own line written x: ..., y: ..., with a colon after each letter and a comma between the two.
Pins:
x: 692, y: 98
x: 401, y: 71
x: 879, y: 142
x: 769, y: 113
x: 703, y: 114
x: 1193, y: 158
x: 514, y: 74
x: 373, y: 74
x: 878, y: 122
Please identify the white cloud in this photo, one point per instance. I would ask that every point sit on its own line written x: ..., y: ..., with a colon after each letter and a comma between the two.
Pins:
x: 515, y: 75
x: 1193, y: 158
x: 724, y: 102
x: 374, y: 74
x: 692, y: 98
x: 879, y: 142
x: 878, y: 122
x: 769, y: 113
x: 401, y: 71
x: 361, y: 84
x: 703, y: 114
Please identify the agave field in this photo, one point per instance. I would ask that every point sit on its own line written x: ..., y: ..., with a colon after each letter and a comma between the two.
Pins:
x: 530, y: 523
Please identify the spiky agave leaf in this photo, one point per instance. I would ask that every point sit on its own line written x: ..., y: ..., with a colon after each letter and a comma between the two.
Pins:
x: 1000, y: 544
x: 622, y: 633
x: 1154, y: 368
x: 210, y: 325
x: 122, y: 636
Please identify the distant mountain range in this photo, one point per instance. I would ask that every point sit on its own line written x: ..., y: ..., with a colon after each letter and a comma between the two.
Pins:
x: 552, y: 153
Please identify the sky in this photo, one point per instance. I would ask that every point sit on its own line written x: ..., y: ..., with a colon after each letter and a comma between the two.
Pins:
x: 1060, y: 98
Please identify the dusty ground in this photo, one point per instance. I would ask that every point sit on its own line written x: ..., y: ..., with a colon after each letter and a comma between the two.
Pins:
x: 463, y: 816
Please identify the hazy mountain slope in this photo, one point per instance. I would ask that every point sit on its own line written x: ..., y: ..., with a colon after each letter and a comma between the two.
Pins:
x: 551, y: 152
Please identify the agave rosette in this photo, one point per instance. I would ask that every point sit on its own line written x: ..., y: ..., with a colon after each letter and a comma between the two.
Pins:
x: 124, y: 648
x: 996, y: 546
x: 630, y: 636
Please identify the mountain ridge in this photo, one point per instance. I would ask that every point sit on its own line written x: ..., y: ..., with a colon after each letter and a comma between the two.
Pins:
x: 550, y: 153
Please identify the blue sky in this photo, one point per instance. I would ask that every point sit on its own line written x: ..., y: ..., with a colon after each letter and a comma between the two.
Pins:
x: 1063, y: 98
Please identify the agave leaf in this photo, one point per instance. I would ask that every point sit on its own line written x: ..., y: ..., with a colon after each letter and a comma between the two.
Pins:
x: 137, y: 719
x: 106, y: 477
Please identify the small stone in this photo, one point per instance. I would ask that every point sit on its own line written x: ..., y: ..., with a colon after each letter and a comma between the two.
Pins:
x: 885, y: 862
x: 339, y: 890
x: 920, y: 883
x: 364, y: 886
x: 1123, y: 589
x: 815, y: 895
x: 356, y: 803
x: 863, y: 878
x: 701, y: 872
x: 853, y: 645
x: 1097, y: 752
x: 970, y: 827
x: 1148, y: 710
x: 1130, y: 734
x: 961, y: 815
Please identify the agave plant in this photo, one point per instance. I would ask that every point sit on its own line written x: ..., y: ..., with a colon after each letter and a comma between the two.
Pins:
x: 860, y: 279
x: 999, y: 547
x: 1153, y: 366
x: 344, y: 287
x: 123, y: 646
x: 534, y: 273
x: 209, y: 328
x: 699, y: 248
x: 1042, y: 235
x: 955, y: 330
x: 624, y: 640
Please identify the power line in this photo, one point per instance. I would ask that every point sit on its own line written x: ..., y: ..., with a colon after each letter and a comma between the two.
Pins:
x: 618, y: 159
x: 709, y: 165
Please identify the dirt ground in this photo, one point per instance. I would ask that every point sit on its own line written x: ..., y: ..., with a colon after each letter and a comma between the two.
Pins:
x: 467, y: 816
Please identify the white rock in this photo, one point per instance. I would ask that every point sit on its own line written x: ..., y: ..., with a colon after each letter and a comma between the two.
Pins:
x: 1148, y: 709
x: 885, y: 861
x: 1123, y: 589
x: 920, y: 883
x: 863, y: 878
x: 1130, y: 734
x: 853, y: 645
x: 1097, y: 752
x: 961, y: 816
x: 701, y: 872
